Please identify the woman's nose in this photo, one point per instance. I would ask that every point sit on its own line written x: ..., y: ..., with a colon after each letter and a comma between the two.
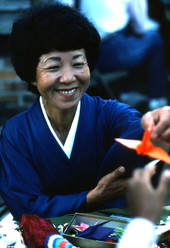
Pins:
x: 67, y: 75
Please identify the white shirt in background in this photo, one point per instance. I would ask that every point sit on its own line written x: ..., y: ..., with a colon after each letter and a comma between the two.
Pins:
x: 113, y: 15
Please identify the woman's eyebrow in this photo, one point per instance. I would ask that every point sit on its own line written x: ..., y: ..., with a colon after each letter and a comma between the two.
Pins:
x: 52, y: 58
x: 58, y: 59
x: 43, y: 62
x: 78, y: 56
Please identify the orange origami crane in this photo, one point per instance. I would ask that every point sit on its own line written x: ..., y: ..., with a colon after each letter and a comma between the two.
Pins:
x: 145, y: 147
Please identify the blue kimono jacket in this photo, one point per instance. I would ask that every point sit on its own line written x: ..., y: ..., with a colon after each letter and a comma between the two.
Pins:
x: 37, y: 177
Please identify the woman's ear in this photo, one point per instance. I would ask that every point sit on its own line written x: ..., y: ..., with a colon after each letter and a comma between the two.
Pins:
x: 34, y: 83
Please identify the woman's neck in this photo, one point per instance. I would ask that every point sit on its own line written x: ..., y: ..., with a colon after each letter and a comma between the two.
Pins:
x: 61, y: 122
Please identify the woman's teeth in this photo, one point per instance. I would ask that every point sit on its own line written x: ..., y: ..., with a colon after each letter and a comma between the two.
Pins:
x: 66, y: 92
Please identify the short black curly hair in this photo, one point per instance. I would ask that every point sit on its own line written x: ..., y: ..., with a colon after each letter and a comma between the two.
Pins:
x: 47, y: 27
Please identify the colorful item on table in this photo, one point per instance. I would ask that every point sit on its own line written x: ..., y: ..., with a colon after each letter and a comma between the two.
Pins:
x: 36, y: 229
x: 9, y: 234
x: 81, y: 227
x: 57, y: 241
x: 97, y: 232
x: 145, y: 147
x: 39, y: 232
x: 8, y: 238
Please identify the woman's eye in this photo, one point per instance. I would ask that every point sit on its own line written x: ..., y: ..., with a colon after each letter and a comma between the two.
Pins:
x: 53, y: 68
x: 79, y: 65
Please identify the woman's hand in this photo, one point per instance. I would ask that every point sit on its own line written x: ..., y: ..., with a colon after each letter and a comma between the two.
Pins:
x: 144, y: 200
x: 108, y: 187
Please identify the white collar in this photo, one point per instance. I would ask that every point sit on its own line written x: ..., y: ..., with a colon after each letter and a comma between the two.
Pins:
x: 68, y: 145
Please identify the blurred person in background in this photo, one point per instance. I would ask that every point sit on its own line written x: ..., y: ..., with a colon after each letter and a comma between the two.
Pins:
x: 130, y: 41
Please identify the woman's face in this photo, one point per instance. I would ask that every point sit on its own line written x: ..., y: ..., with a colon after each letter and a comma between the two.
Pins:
x: 62, y: 78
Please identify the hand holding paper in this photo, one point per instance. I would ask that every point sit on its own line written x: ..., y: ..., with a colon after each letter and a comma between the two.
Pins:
x: 145, y: 147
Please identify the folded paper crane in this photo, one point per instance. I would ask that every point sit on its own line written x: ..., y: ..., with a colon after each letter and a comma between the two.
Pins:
x: 145, y: 147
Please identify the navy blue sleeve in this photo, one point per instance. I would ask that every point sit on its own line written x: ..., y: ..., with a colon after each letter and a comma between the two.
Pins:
x: 21, y: 184
x: 119, y: 120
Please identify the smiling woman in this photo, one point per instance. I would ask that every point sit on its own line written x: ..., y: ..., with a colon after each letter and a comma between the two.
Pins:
x: 59, y: 156
x: 62, y: 78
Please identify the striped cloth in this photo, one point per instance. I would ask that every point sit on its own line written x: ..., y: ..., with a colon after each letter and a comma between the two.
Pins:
x: 57, y: 241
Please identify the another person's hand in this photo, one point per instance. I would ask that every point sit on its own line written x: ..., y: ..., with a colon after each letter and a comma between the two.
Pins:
x: 161, y: 119
x: 145, y: 200
x: 108, y: 187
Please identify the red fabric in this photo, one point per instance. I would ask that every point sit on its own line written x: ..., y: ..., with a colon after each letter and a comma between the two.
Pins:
x: 35, y: 230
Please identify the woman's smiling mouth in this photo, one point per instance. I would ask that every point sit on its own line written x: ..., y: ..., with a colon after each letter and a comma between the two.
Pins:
x: 67, y: 92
